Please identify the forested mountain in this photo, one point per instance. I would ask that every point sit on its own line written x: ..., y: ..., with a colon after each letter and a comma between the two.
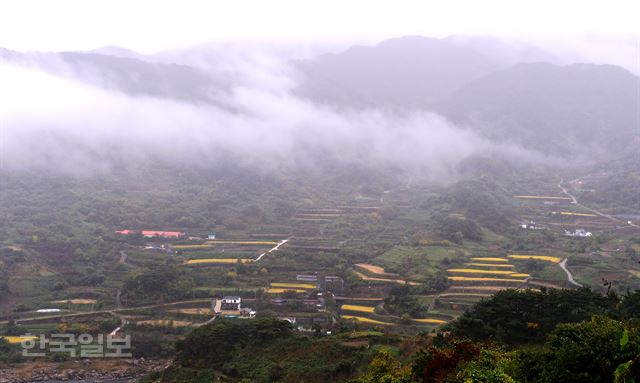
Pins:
x: 556, y: 109
x: 110, y: 70
x: 407, y: 72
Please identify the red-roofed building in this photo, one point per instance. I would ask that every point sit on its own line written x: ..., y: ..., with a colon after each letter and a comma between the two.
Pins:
x: 154, y: 233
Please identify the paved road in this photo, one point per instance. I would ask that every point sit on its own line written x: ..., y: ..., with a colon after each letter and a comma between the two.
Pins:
x: 563, y: 265
x: 274, y: 249
x: 574, y: 200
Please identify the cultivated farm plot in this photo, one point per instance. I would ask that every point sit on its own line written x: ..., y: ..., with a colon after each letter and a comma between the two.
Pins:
x: 306, y: 286
x: 164, y: 323
x: 367, y: 320
x: 485, y: 279
x: 281, y: 287
x: 487, y: 272
x: 546, y: 258
x: 224, y: 251
x: 358, y: 308
x: 18, y: 339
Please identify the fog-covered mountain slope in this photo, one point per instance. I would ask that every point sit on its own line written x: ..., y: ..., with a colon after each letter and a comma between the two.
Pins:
x: 556, y: 109
x: 131, y: 76
x: 405, y: 72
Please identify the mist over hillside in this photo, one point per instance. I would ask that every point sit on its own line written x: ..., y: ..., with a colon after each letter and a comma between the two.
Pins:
x: 416, y: 104
x: 319, y: 192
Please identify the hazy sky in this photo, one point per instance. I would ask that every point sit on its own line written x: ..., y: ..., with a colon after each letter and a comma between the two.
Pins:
x: 151, y: 25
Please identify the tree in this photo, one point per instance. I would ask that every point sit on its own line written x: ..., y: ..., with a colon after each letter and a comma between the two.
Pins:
x: 384, y: 368
x: 590, y: 351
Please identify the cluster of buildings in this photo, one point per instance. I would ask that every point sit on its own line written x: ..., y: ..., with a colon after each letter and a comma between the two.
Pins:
x: 154, y: 233
x: 578, y: 233
x: 231, y: 307
x: 531, y: 225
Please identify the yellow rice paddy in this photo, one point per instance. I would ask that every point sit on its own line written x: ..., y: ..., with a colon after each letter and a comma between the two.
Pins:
x: 546, y: 258
x: 363, y: 309
x: 489, y: 265
x: 490, y: 259
x: 294, y: 285
x: 430, y: 321
x: 482, y: 279
x: 18, y: 339
x: 280, y: 291
x: 577, y: 214
x: 478, y: 271
x: 366, y: 320
x: 218, y: 260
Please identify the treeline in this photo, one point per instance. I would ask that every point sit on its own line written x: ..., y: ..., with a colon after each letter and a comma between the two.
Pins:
x: 518, y: 317
x: 597, y: 350
x: 528, y: 337
x: 261, y: 350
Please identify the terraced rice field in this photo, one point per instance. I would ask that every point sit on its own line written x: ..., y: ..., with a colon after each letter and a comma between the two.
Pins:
x: 213, y: 244
x: 489, y: 265
x: 371, y: 268
x: 577, y: 214
x: 363, y: 309
x: 18, y: 339
x: 165, y: 323
x: 367, y: 320
x: 368, y: 278
x: 483, y: 279
x: 481, y: 288
x: 241, y: 243
x: 307, y: 286
x: 191, y: 247
x: 77, y: 301
x: 280, y: 290
x: 546, y: 258
x: 446, y: 295
x: 489, y: 259
x: 218, y: 260
x: 430, y: 321
x: 193, y: 311
x: 479, y: 271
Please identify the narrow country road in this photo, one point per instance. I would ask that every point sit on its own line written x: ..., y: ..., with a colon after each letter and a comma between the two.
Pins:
x: 563, y: 265
x: 86, y: 313
x: 273, y: 249
x: 594, y: 211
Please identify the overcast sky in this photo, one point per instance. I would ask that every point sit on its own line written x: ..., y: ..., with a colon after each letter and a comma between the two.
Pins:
x: 152, y: 25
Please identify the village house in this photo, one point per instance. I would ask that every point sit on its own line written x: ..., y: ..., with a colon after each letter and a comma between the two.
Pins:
x: 578, y: 233
x: 231, y: 303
